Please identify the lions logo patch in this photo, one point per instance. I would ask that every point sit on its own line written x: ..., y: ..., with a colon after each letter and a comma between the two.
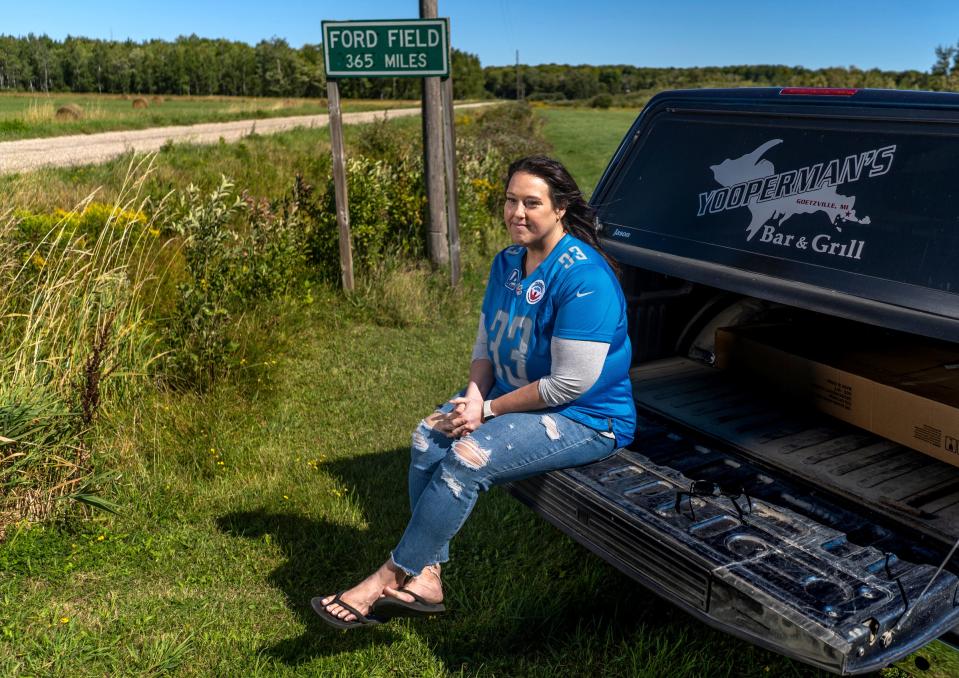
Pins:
x: 535, y: 292
x: 513, y: 279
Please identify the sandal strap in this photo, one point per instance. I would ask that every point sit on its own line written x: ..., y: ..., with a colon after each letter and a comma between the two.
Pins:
x: 417, y: 597
x: 346, y: 606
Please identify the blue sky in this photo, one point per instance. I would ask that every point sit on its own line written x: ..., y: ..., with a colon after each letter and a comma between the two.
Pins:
x: 812, y: 33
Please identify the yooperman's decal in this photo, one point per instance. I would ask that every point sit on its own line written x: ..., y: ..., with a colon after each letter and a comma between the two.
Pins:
x: 772, y: 198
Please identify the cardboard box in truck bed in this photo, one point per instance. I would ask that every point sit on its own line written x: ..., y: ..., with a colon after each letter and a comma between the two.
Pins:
x: 905, y: 389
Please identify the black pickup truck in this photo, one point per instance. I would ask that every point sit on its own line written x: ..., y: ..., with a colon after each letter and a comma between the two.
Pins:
x: 783, y: 526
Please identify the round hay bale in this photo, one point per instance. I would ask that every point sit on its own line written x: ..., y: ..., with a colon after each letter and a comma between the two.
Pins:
x: 157, y: 99
x: 140, y: 102
x: 69, y: 112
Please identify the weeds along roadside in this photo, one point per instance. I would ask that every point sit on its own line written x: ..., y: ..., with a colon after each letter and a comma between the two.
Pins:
x: 151, y: 282
x: 73, y: 336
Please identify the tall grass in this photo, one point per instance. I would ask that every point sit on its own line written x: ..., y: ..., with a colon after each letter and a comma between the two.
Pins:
x: 74, y: 337
x: 89, y: 303
x: 42, y: 112
x: 38, y: 111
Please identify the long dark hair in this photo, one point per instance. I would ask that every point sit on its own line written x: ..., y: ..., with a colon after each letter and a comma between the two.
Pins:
x: 580, y: 219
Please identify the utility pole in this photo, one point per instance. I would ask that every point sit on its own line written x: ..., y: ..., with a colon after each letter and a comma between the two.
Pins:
x: 517, y: 76
x: 452, y: 200
x: 437, y: 240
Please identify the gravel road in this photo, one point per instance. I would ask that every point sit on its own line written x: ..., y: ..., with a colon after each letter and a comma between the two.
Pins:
x: 83, y: 149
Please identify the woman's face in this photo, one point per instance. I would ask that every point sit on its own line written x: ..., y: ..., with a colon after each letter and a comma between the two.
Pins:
x: 532, y: 219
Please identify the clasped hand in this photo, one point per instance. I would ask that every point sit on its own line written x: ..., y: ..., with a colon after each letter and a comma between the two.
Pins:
x: 465, y: 417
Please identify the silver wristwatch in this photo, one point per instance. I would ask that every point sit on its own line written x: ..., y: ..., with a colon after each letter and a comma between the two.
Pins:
x: 488, y: 410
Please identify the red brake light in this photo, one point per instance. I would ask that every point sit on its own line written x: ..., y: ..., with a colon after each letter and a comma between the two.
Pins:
x: 819, y: 91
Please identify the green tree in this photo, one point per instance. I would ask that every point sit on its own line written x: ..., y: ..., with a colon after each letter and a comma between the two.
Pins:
x: 468, y: 81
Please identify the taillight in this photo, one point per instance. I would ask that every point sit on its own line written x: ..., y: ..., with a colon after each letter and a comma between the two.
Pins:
x: 819, y: 91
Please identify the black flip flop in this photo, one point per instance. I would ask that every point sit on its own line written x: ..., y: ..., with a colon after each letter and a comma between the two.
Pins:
x: 387, y: 607
x: 333, y: 620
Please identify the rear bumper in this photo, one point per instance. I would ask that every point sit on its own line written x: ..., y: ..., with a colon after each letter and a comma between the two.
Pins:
x: 771, y: 576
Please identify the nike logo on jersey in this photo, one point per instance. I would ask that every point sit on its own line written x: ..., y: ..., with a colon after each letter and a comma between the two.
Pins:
x: 584, y: 294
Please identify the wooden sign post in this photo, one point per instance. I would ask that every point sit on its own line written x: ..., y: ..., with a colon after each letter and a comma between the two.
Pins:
x: 415, y: 48
x: 339, y: 184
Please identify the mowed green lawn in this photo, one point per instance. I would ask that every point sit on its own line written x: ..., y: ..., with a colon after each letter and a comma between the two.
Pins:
x: 289, y: 481
x: 24, y: 116
x: 585, y: 139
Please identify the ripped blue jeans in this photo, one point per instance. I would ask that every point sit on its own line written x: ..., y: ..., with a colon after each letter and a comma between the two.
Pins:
x: 447, y: 474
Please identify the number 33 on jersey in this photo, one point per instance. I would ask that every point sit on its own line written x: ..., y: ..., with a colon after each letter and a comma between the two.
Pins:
x: 572, y: 294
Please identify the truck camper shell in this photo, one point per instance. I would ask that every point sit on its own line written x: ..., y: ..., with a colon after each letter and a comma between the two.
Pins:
x: 831, y: 209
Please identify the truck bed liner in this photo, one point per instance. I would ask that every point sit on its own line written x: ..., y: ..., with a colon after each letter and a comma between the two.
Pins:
x: 920, y: 492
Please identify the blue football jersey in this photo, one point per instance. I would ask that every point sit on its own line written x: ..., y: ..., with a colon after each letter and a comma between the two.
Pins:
x: 572, y: 294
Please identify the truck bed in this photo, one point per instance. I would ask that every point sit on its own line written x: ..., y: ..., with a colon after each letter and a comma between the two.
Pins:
x: 710, y: 508
x: 919, y: 492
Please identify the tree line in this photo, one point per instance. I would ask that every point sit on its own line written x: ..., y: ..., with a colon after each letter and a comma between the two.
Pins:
x: 193, y: 65
x: 196, y: 66
x: 553, y: 82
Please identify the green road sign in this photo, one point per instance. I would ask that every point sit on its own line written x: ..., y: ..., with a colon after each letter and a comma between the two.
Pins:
x: 386, y: 49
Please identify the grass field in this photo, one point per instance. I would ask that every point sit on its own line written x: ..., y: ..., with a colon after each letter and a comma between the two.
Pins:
x: 25, y: 116
x: 241, y: 505
x: 585, y: 139
x: 289, y: 480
